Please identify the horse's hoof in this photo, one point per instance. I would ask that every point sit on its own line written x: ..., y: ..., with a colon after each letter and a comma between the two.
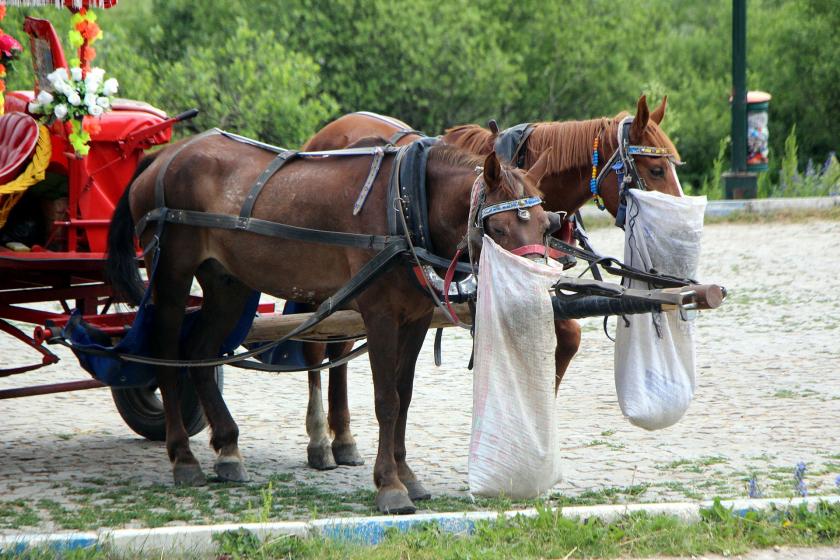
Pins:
x: 189, y: 474
x: 416, y: 491
x: 394, y: 502
x: 347, y: 454
x: 231, y: 471
x: 320, y: 457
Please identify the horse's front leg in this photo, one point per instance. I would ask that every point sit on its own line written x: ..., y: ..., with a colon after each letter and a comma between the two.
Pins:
x: 568, y: 342
x: 411, y: 341
x: 383, y: 340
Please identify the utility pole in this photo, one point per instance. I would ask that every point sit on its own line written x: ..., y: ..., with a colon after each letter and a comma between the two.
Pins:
x: 738, y: 182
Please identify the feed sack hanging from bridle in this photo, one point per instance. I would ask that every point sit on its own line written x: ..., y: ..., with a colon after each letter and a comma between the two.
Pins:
x: 514, y: 444
x: 654, y: 352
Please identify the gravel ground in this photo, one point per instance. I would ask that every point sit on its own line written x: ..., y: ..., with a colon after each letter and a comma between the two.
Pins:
x: 768, y: 397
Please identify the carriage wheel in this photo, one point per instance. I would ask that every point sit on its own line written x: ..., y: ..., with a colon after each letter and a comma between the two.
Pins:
x: 142, y: 409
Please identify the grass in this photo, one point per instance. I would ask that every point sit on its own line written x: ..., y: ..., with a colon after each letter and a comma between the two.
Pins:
x: 547, y: 535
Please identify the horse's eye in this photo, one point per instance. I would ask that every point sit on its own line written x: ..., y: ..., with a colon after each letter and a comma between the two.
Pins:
x: 498, y: 232
x: 657, y: 171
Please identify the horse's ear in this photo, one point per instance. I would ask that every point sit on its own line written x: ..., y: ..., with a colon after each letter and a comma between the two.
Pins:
x: 640, y: 121
x: 539, y: 169
x: 492, y: 171
x: 659, y: 113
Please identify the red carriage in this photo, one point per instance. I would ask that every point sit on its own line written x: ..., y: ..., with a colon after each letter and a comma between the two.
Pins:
x: 54, y: 233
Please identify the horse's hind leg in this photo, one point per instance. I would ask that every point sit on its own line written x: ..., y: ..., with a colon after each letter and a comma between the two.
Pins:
x: 318, y: 453
x: 170, y: 290
x: 568, y: 342
x: 224, y: 298
x: 344, y: 447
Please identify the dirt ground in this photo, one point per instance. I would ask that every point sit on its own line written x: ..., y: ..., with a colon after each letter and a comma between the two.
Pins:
x: 767, y: 398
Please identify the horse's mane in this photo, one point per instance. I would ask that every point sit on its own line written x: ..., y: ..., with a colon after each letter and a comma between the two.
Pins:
x: 471, y: 137
x: 455, y: 155
x: 513, y: 181
x: 569, y: 144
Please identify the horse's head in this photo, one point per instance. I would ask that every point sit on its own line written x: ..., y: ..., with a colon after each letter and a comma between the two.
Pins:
x: 649, y: 156
x: 509, y: 209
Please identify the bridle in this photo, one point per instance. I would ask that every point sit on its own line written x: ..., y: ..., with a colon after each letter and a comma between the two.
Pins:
x: 474, y: 239
x: 480, y: 211
x: 622, y: 163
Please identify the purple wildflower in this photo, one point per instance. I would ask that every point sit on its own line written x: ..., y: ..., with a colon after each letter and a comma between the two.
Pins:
x: 799, y: 477
x: 754, y: 490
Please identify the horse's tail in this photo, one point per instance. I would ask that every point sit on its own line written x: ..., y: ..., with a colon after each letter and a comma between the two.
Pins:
x: 471, y: 137
x: 121, y: 269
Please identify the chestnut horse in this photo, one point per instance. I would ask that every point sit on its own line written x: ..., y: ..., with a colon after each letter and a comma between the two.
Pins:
x: 322, y: 454
x: 567, y: 147
x: 214, y: 174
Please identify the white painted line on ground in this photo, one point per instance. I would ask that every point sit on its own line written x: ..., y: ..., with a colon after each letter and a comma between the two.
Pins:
x: 368, y: 530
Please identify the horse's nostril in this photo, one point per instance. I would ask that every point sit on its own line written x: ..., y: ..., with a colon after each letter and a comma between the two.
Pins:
x: 555, y: 222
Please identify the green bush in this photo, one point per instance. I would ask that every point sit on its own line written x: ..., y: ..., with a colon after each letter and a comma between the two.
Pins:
x: 278, y: 71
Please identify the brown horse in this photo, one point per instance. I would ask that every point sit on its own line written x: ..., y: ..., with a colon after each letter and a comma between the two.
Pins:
x: 214, y: 174
x: 321, y: 454
x: 566, y: 152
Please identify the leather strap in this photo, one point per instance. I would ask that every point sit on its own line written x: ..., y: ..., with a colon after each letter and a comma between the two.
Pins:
x: 382, y: 261
x: 274, y: 167
x: 400, y: 134
x: 268, y: 228
x: 374, y: 171
x: 160, y: 197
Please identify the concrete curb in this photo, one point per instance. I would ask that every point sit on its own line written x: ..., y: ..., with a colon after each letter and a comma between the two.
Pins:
x: 365, y: 530
x: 720, y: 208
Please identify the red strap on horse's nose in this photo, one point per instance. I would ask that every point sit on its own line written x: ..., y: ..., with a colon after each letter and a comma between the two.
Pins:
x: 526, y: 250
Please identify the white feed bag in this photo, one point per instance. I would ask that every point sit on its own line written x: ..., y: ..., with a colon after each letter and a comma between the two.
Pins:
x: 513, y: 449
x: 654, y: 352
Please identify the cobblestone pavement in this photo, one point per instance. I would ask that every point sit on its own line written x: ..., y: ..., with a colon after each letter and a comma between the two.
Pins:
x: 768, y: 396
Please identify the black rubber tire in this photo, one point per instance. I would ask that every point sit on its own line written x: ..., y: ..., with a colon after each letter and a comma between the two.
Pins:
x: 142, y: 409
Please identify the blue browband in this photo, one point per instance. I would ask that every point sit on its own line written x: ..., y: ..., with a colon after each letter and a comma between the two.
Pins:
x: 518, y: 204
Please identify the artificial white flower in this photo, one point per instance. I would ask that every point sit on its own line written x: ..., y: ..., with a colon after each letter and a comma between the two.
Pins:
x: 60, y: 111
x: 76, y: 73
x: 74, y: 99
x: 110, y: 87
x: 95, y: 110
x: 90, y: 99
x: 45, y: 97
x: 63, y: 88
x: 103, y: 102
x: 57, y: 75
x: 33, y: 108
x: 94, y: 78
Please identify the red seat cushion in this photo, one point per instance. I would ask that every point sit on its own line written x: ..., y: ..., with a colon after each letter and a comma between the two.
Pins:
x: 18, y: 136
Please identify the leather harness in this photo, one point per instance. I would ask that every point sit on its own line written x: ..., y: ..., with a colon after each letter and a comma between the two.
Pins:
x: 409, y: 210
